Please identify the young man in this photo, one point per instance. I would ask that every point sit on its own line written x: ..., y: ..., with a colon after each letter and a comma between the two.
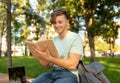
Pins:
x: 70, y: 48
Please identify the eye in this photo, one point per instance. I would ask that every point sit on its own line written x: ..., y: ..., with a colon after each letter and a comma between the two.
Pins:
x: 60, y: 22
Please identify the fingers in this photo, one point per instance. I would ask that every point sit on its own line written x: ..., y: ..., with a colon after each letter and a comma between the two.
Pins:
x: 39, y: 54
x: 34, y: 52
x: 47, y: 50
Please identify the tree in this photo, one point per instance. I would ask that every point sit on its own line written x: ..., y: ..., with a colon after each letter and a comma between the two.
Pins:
x: 24, y: 16
x: 108, y: 11
x: 9, y: 33
x: 33, y: 19
x: 7, y: 6
x: 89, y: 8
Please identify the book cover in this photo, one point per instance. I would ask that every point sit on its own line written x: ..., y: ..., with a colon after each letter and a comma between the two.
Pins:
x: 40, y: 45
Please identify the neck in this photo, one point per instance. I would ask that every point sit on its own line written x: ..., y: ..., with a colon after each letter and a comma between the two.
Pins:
x: 63, y: 34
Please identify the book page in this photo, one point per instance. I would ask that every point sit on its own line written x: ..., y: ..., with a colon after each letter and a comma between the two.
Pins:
x: 41, y: 44
x: 30, y: 44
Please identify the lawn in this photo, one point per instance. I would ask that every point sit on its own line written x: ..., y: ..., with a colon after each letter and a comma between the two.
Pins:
x: 33, y: 68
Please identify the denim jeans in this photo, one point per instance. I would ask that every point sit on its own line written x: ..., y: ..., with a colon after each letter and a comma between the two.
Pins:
x: 57, y: 75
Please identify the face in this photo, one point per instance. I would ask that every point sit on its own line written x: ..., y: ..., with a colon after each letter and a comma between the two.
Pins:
x: 61, y: 24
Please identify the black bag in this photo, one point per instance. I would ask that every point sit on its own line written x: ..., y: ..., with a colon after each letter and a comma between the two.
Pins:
x: 91, y: 73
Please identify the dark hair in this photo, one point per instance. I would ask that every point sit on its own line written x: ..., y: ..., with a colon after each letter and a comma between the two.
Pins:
x: 59, y: 12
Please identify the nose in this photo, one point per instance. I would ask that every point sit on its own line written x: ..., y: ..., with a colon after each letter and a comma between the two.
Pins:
x: 56, y: 25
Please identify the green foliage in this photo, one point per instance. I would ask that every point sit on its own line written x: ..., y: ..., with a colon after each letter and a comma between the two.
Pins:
x: 116, y: 48
x: 106, y: 12
x: 101, y: 46
x: 33, y: 18
x: 16, y: 29
x: 23, y: 16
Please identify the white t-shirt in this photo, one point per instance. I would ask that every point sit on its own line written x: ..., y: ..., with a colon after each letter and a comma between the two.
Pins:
x: 72, y: 43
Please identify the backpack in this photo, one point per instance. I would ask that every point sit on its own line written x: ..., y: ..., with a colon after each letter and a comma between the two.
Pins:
x: 91, y: 73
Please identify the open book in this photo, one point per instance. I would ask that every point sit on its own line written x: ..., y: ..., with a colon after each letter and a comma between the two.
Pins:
x: 40, y: 45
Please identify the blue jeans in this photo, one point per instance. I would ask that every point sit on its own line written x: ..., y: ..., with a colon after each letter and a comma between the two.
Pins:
x: 57, y: 75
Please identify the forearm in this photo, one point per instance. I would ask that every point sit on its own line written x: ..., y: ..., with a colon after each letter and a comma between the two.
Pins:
x: 63, y: 63
x: 70, y: 63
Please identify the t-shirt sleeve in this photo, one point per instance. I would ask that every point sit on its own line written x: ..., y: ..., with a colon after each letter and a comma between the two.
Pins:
x: 77, y: 46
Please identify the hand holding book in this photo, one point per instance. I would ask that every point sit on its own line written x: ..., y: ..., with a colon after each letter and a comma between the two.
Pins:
x: 40, y: 45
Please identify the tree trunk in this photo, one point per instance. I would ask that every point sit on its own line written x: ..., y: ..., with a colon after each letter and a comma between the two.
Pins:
x: 92, y: 48
x: 89, y: 8
x: 9, y: 52
x: 89, y: 23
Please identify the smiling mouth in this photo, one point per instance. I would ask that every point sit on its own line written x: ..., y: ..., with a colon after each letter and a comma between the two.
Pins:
x: 57, y: 29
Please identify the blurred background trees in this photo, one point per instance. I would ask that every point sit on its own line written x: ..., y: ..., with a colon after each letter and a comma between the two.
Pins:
x: 30, y: 20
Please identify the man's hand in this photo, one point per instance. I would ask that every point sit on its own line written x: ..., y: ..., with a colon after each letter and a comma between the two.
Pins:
x: 46, y: 64
x: 39, y: 54
x: 44, y: 57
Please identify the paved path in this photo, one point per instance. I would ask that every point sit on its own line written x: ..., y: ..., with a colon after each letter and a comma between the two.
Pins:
x: 4, y: 78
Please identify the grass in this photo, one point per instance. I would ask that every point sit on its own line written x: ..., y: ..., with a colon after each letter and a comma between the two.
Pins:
x: 32, y: 65
x: 33, y: 68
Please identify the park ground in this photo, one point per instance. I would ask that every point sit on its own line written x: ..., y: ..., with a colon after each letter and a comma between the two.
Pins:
x: 33, y: 67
